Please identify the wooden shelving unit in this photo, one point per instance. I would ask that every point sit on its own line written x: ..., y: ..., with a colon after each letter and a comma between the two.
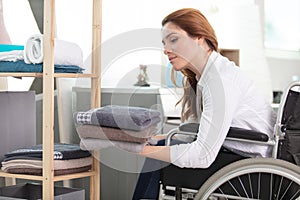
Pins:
x: 48, y: 76
x: 56, y: 75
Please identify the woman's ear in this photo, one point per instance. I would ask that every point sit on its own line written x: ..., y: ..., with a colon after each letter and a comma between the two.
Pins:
x: 201, y: 41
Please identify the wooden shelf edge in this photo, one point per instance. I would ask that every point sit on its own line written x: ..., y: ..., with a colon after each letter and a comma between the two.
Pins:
x: 56, y: 75
x: 20, y: 74
x: 69, y: 75
x: 56, y: 178
x: 21, y: 176
x: 74, y: 176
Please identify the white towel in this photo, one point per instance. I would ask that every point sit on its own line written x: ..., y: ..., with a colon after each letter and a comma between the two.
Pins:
x: 65, y: 53
x: 11, y: 56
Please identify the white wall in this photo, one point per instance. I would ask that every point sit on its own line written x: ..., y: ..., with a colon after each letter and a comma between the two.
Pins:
x: 283, y: 71
x: 284, y: 66
x: 20, y: 24
x: 120, y: 17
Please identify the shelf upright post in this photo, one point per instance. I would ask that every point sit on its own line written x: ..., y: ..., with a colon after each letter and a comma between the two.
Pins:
x: 48, y: 100
x: 96, y: 89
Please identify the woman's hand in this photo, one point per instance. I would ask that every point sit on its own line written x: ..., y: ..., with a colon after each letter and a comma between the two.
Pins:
x: 159, y: 137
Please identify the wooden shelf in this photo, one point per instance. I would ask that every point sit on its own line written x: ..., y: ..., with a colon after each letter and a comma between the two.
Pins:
x: 56, y: 75
x: 56, y: 178
x: 21, y: 176
x: 75, y: 176
x: 48, y: 76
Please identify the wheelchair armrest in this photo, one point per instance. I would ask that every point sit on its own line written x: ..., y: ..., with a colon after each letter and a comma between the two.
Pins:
x: 189, y: 129
x: 233, y: 133
x: 247, y: 134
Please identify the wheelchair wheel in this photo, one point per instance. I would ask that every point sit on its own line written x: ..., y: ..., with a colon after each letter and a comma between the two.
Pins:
x: 254, y: 178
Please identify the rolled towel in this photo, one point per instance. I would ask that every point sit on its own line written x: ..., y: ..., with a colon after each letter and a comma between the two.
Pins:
x: 123, y: 117
x: 65, y: 53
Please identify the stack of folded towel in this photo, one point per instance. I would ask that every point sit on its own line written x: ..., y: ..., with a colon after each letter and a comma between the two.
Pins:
x: 68, y: 158
x: 124, y: 127
x: 68, y: 56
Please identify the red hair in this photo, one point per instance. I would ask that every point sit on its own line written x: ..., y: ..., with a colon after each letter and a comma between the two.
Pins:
x: 195, y: 24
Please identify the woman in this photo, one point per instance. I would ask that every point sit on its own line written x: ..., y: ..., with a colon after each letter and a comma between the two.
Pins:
x: 216, y: 94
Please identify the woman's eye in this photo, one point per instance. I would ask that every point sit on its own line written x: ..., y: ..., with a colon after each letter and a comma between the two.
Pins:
x: 173, y: 40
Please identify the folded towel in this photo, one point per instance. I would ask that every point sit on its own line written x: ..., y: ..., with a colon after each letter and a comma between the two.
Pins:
x: 106, y: 133
x: 11, y: 56
x: 123, y: 117
x: 21, y: 66
x: 61, y: 152
x: 10, y: 47
x: 38, y: 164
x: 39, y: 172
x: 65, y: 53
x: 98, y: 144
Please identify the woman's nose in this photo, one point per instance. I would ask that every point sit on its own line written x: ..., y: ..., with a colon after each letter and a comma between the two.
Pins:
x: 166, y: 51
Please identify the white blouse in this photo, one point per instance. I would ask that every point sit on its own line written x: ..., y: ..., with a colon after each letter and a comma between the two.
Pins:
x: 229, y: 99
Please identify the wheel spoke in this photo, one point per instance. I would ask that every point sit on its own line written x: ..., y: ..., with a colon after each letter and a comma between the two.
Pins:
x: 296, y: 194
x: 246, y: 193
x: 279, y: 188
x: 232, y: 186
x: 271, y: 187
x: 231, y: 196
x: 250, y: 184
x: 286, y: 190
x: 222, y: 193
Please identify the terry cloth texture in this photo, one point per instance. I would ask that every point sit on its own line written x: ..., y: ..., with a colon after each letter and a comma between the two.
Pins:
x: 21, y: 66
x: 61, y: 152
x: 98, y: 144
x: 98, y: 132
x: 39, y: 172
x: 11, y: 56
x: 10, y: 52
x: 38, y: 164
x: 122, y: 117
x: 65, y: 52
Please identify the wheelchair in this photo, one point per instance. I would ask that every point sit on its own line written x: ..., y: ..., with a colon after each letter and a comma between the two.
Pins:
x: 232, y: 176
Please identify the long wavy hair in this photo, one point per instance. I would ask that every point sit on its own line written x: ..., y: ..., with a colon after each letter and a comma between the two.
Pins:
x: 195, y: 24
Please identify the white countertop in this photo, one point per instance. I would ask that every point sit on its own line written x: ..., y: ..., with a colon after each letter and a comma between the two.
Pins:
x: 133, y: 90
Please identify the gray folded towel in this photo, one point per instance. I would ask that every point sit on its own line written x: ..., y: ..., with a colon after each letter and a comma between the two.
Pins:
x: 99, y: 144
x: 107, y: 133
x: 122, y: 117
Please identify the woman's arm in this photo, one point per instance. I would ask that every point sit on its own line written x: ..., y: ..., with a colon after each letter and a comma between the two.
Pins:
x: 157, y: 152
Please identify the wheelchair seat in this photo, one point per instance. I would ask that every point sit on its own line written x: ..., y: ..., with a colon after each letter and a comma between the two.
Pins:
x: 193, y: 178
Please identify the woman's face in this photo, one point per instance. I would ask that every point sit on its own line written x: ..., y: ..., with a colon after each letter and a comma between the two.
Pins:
x: 180, y: 48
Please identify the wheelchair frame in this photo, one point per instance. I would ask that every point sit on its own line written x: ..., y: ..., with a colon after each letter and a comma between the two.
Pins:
x: 273, y: 165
